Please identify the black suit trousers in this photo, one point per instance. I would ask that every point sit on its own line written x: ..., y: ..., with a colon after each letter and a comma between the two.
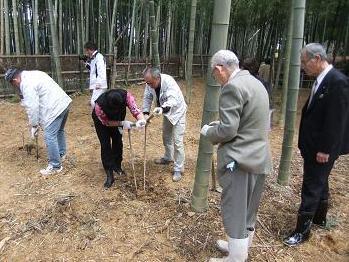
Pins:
x: 111, y: 144
x: 315, y: 186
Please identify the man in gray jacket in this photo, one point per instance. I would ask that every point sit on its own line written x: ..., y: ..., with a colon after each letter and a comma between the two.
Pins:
x: 243, y: 157
x: 169, y: 102
x: 47, y: 106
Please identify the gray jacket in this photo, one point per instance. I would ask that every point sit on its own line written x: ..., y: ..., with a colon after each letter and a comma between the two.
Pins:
x: 170, y: 95
x: 242, y: 133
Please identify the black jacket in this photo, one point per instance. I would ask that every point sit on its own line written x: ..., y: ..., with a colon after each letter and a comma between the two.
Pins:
x: 324, y: 126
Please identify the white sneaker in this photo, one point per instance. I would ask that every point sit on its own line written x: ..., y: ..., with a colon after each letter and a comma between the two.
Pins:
x: 177, y: 175
x: 50, y: 170
x: 63, y: 157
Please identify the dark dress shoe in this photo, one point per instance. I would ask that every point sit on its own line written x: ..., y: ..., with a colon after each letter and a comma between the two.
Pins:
x: 110, y: 179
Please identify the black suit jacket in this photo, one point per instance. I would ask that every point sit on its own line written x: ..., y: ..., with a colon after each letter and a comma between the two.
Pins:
x: 324, y: 126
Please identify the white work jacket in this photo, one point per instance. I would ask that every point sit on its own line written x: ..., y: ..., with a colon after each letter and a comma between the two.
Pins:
x: 43, y: 99
x: 170, y: 96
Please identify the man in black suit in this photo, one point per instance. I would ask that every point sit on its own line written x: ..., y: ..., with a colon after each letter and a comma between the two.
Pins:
x: 323, y: 136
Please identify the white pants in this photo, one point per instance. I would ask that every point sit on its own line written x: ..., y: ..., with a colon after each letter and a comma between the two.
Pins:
x: 172, y: 138
x: 95, y: 94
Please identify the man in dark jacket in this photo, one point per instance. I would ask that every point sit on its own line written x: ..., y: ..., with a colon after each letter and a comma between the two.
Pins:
x: 323, y: 136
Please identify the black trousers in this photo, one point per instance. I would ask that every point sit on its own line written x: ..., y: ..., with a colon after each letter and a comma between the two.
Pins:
x: 315, y: 186
x: 111, y: 144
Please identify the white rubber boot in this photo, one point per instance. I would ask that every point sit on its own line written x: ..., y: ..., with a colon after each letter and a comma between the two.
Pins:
x: 250, y: 237
x: 238, y: 251
x: 222, y: 245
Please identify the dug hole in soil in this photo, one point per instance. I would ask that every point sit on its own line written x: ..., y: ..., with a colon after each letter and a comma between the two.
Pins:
x: 70, y: 217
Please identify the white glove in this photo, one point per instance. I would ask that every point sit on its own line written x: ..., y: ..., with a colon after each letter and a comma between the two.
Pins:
x: 204, y: 130
x: 141, y: 123
x: 127, y: 124
x: 157, y: 111
x: 214, y: 123
x: 34, y: 132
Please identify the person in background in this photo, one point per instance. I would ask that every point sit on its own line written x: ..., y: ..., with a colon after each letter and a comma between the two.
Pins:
x: 47, y: 106
x: 243, y: 155
x: 98, y: 71
x: 251, y: 65
x: 170, y: 103
x: 323, y: 136
x: 264, y: 71
x: 109, y: 117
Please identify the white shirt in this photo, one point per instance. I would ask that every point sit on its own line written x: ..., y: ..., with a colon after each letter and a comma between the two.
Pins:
x: 233, y: 75
x: 321, y: 77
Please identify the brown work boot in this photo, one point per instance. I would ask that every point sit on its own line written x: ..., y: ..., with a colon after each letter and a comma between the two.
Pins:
x: 162, y: 161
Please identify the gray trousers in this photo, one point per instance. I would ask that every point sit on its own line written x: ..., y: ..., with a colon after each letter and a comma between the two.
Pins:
x: 240, y: 200
x: 172, y: 138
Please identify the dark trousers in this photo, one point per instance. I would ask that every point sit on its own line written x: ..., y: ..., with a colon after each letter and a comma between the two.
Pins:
x: 315, y: 186
x: 111, y: 144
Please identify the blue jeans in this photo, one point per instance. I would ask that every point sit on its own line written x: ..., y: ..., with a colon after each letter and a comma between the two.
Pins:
x: 55, y: 139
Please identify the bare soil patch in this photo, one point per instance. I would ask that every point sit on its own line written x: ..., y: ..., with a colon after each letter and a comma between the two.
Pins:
x: 70, y: 217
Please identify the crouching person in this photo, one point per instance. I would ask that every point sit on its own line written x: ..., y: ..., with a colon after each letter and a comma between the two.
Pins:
x: 243, y: 157
x: 170, y: 103
x: 108, y: 116
x: 47, y: 106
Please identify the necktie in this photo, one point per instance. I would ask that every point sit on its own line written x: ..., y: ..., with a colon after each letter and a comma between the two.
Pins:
x: 313, y: 91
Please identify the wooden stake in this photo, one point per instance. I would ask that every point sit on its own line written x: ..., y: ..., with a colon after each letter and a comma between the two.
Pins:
x: 132, y: 159
x: 145, y: 155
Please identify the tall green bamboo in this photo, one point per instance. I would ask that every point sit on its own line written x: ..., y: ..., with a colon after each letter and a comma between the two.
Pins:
x: 82, y: 24
x: 60, y: 25
x: 112, y: 28
x: 292, y: 94
x: 78, y: 30
x: 2, y: 47
x: 99, y: 37
x: 287, y: 64
x: 146, y: 31
x: 7, y: 29
x: 87, y: 22
x: 168, y: 31
x: 131, y: 39
x: 137, y: 31
x: 54, y: 45
x: 219, y: 34
x: 189, y: 73
x: 154, y: 37
x: 16, y: 47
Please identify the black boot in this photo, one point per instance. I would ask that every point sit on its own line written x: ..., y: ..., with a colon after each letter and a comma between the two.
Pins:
x: 302, y: 231
x: 321, y: 213
x: 110, y: 179
x: 119, y: 171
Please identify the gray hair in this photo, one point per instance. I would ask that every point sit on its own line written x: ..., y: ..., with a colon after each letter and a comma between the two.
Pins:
x: 153, y: 71
x: 314, y: 49
x: 225, y: 58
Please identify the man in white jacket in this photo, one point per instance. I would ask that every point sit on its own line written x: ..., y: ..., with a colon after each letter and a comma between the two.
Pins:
x: 98, y: 71
x: 47, y: 106
x: 169, y: 102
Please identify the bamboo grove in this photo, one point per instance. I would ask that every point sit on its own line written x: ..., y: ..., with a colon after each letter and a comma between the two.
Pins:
x: 256, y: 28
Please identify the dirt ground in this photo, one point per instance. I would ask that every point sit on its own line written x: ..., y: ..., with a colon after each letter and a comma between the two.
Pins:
x: 70, y: 217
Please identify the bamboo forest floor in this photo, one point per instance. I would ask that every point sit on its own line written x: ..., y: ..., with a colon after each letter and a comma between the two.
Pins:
x: 70, y: 217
